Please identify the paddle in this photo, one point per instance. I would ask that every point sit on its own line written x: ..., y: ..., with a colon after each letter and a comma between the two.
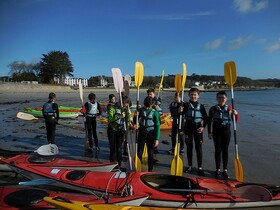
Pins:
x: 161, y: 81
x: 126, y: 84
x: 230, y: 77
x: 37, y: 182
x: 86, y: 140
x: 118, y: 83
x: 47, y: 149
x: 26, y: 116
x: 139, y: 75
x: 177, y: 163
x: 249, y: 192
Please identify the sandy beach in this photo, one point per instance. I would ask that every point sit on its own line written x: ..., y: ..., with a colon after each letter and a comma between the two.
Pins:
x: 260, y: 161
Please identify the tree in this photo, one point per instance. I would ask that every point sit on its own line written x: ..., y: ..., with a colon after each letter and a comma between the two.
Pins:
x: 55, y: 64
x: 22, y: 71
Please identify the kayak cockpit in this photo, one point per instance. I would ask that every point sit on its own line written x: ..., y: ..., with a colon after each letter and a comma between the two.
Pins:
x: 40, y: 158
x: 164, y: 181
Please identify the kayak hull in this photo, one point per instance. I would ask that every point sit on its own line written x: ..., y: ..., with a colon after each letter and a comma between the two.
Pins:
x: 32, y: 198
x: 185, y: 195
x: 62, y: 163
x: 38, y: 113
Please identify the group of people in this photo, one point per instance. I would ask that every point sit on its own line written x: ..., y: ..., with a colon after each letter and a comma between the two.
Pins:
x: 189, y: 121
x: 120, y: 120
x: 195, y: 119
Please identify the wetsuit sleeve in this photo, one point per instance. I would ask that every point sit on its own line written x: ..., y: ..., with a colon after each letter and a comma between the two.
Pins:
x: 157, y: 125
x: 84, y: 109
x: 99, y: 109
x: 210, y: 118
x: 204, y: 115
x: 186, y: 107
x: 236, y: 116
x: 112, y: 116
x: 55, y: 108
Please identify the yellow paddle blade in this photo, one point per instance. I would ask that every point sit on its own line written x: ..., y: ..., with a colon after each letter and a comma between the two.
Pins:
x: 230, y: 73
x: 161, y: 81
x: 184, y: 78
x: 137, y: 163
x: 178, y: 83
x: 177, y: 166
x: 139, y: 74
x: 238, y: 169
x: 145, y: 159
x: 145, y: 152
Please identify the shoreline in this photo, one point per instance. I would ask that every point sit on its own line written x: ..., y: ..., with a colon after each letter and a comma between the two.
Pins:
x: 9, y: 87
x: 258, y: 145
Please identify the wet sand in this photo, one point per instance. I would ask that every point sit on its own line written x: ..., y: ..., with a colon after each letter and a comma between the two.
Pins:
x: 260, y: 160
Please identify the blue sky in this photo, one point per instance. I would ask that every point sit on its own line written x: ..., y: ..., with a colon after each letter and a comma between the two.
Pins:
x: 101, y: 34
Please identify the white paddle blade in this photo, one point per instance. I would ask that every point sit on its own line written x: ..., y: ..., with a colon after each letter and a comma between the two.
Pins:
x: 48, y: 149
x: 81, y: 92
x: 127, y: 78
x: 26, y: 116
x: 118, y: 79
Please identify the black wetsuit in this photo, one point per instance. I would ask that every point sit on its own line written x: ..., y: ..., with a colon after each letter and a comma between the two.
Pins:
x: 199, y: 119
x: 174, y: 107
x: 220, y: 121
x: 51, y: 114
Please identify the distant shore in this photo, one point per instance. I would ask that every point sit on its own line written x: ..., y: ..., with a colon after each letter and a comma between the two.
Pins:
x: 13, y: 87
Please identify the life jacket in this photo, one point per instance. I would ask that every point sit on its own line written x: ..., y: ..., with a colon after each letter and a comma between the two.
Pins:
x: 92, y: 109
x: 158, y: 108
x: 222, y: 116
x: 118, y: 124
x: 48, y: 108
x: 174, y: 109
x: 146, y: 120
x: 109, y: 105
x: 194, y: 114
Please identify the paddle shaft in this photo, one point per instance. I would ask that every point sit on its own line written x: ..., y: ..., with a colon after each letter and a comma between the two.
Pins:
x: 234, y: 122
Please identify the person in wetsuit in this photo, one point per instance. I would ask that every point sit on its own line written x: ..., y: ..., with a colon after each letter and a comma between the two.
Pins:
x: 174, y: 111
x: 195, y: 121
x: 118, y: 119
x: 219, y: 129
x: 91, y: 110
x: 51, y: 114
x: 156, y: 105
x: 149, y: 130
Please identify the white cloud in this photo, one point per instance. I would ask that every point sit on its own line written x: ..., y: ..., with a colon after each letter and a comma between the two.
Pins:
x: 245, y: 6
x: 261, y: 41
x: 238, y: 43
x: 213, y: 45
x: 273, y: 47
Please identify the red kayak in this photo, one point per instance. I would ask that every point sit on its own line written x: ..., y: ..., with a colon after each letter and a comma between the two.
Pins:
x: 12, y: 198
x: 50, y: 161
x: 163, y: 190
